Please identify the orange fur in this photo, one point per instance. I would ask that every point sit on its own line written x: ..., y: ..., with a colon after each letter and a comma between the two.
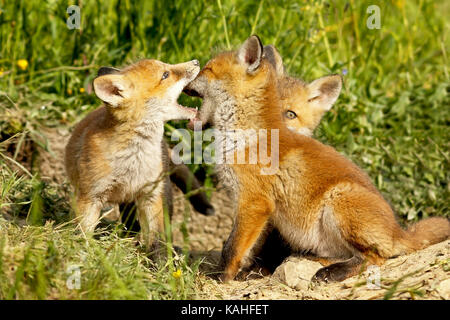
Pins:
x: 116, y: 154
x: 319, y: 200
x: 294, y: 98
x: 301, y: 111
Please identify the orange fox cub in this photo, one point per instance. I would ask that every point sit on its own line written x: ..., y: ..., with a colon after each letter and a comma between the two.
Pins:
x: 303, y: 115
x: 318, y: 200
x: 117, y: 153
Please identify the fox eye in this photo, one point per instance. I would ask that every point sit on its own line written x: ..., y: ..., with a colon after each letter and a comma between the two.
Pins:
x: 165, y: 75
x: 290, y: 114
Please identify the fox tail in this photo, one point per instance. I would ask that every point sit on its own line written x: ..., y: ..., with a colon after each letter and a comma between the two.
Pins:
x: 425, y: 233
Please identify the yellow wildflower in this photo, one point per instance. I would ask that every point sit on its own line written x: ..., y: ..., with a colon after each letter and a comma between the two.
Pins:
x: 305, y: 8
x: 22, y: 64
x: 399, y: 3
x: 177, y: 274
x: 81, y: 90
x: 69, y: 91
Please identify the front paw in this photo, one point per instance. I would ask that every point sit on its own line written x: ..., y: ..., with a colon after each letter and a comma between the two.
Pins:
x: 226, y: 276
x: 333, y: 273
x: 228, y: 272
x: 322, y: 275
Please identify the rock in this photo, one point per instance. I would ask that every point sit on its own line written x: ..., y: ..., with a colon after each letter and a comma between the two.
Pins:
x: 444, y: 289
x: 296, y: 272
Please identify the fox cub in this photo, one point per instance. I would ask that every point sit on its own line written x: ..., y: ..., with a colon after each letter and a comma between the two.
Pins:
x: 117, y: 154
x: 319, y: 201
x: 302, y: 115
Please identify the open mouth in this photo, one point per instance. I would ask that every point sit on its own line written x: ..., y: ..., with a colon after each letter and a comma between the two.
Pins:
x: 188, y: 113
x: 193, y: 120
x: 192, y: 93
x: 194, y: 110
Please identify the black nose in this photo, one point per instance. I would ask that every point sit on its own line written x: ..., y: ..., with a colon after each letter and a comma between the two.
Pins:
x: 196, y: 63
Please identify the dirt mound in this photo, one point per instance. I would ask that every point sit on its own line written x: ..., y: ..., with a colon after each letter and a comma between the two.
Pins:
x: 421, y: 275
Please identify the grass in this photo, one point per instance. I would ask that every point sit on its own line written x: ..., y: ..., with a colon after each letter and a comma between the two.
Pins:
x: 54, y: 262
x: 392, y: 117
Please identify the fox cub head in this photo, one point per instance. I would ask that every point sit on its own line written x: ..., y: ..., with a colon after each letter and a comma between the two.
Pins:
x: 233, y: 84
x: 303, y: 104
x: 148, y: 89
x: 251, y: 73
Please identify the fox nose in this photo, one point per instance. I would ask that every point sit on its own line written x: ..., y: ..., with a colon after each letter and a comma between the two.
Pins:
x: 195, y: 63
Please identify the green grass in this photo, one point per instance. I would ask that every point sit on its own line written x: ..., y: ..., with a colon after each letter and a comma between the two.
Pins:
x: 392, y: 117
x: 42, y: 262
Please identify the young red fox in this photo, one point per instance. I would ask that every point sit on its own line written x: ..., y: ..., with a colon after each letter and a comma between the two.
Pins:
x: 117, y: 153
x: 300, y: 115
x: 318, y: 200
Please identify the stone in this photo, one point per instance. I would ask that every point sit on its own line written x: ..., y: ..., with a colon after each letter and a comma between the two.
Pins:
x: 296, y: 272
x: 444, y: 289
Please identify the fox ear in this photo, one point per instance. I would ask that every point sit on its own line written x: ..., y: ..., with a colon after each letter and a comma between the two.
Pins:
x: 250, y: 53
x: 107, y: 70
x: 324, y: 91
x: 273, y: 56
x: 112, y: 89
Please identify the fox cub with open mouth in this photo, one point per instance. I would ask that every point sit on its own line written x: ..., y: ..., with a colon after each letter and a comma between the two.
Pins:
x: 117, y: 154
x: 318, y: 200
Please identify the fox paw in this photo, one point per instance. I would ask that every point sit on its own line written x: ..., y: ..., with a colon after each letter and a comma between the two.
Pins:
x: 332, y: 273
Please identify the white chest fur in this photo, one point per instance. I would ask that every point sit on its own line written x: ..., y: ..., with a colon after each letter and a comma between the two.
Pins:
x: 138, y: 164
x: 136, y: 167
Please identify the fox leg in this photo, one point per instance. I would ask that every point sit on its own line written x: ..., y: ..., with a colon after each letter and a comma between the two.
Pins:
x: 340, y: 271
x: 88, y: 213
x: 151, y: 219
x: 113, y: 214
x: 271, y: 250
x: 323, y: 261
x: 366, y: 226
x: 252, y: 216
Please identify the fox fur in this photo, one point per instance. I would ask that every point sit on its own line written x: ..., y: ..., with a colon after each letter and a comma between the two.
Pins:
x: 117, y: 154
x: 319, y: 200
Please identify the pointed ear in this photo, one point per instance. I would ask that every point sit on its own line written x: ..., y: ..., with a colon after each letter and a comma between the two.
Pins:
x: 250, y: 53
x: 273, y: 56
x: 112, y: 89
x: 323, y: 92
x: 107, y: 70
